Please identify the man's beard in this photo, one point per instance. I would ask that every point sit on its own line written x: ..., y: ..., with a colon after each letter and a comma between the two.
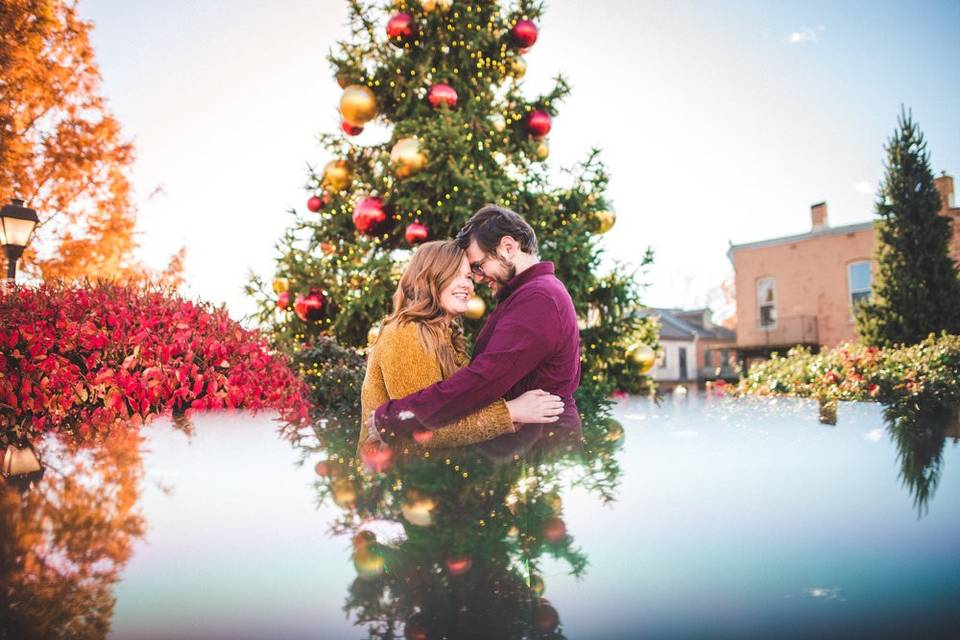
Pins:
x: 510, y: 268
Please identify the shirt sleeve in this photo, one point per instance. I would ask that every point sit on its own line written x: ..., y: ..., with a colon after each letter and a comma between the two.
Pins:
x: 524, y: 337
x: 408, y: 367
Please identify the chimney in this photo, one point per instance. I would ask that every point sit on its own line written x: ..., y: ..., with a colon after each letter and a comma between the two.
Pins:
x: 818, y: 215
x: 944, y: 185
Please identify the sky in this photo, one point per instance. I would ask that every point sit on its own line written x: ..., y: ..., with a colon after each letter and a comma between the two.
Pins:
x: 719, y: 121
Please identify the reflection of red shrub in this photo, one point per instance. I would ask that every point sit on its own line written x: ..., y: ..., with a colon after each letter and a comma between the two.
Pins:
x: 78, y: 358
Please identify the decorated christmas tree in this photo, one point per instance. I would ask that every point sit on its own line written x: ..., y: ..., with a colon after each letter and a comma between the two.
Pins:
x: 444, y: 81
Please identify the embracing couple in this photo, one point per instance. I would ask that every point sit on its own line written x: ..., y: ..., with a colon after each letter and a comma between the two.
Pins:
x: 420, y: 384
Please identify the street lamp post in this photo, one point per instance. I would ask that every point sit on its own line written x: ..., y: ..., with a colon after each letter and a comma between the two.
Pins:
x: 16, y: 225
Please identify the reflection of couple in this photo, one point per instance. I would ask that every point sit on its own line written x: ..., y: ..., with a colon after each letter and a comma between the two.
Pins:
x: 526, y: 365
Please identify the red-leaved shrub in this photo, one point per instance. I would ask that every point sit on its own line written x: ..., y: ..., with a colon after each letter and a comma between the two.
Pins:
x: 78, y: 358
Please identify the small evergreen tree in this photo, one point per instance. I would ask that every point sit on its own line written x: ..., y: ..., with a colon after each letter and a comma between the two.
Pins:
x: 916, y: 289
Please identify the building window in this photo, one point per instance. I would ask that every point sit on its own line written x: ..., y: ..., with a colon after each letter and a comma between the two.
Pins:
x: 767, y: 302
x: 860, y: 279
x: 662, y: 358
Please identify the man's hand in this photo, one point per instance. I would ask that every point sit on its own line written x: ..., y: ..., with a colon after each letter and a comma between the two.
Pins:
x: 535, y: 407
x: 373, y: 434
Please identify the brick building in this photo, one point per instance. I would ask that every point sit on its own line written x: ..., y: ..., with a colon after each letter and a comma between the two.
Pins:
x: 800, y: 289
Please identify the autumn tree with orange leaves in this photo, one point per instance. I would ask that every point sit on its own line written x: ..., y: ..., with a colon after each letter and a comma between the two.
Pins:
x: 62, y: 151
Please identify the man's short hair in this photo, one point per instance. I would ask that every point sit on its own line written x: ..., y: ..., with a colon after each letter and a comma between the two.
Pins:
x: 492, y: 223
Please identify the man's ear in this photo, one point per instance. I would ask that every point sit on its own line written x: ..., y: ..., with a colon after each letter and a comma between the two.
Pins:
x: 509, y: 246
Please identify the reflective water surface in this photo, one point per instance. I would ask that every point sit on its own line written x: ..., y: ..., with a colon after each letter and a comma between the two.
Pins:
x: 698, y: 517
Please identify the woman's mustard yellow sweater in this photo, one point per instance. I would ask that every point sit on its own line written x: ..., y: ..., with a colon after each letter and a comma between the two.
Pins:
x: 398, y: 365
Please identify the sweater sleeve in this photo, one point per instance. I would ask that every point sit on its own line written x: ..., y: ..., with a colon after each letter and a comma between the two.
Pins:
x: 522, y: 340
x: 407, y: 367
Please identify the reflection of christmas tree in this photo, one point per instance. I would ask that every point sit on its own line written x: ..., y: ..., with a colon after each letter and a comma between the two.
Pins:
x: 473, y: 533
x: 445, y: 79
x: 919, y: 430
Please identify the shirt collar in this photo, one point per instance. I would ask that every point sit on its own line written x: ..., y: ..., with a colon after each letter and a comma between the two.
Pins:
x: 522, y: 278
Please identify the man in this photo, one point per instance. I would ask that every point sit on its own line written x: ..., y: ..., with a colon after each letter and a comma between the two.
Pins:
x: 530, y: 341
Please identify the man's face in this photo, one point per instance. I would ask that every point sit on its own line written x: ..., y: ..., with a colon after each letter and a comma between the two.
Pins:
x: 493, y: 270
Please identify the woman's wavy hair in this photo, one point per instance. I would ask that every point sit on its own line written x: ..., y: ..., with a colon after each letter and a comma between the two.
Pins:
x: 417, y: 300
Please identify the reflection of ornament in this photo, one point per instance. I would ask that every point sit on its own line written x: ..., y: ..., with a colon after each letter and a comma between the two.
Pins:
x: 422, y: 436
x: 400, y: 29
x: 545, y: 617
x: 513, y: 532
x: 406, y: 157
x: 280, y: 285
x: 283, y: 300
x: 536, y: 585
x: 498, y: 122
x: 363, y: 539
x: 605, y: 220
x: 376, y: 457
x: 416, y: 232
x: 415, y: 628
x: 442, y: 94
x: 543, y: 150
x: 337, y: 175
x: 368, y: 214
x: 476, y: 307
x: 642, y: 356
x: 309, y: 308
x: 538, y: 123
x: 343, y: 492
x: 349, y: 129
x: 315, y: 203
x: 369, y: 561
x: 323, y: 468
x: 554, y: 530
x: 524, y: 33
x: 418, y: 509
x: 614, y: 431
x: 358, y: 105
x: 553, y: 501
x: 458, y: 565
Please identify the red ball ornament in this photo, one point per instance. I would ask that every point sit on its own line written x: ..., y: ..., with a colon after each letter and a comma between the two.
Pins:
x: 524, y: 33
x: 554, y: 530
x: 400, y: 29
x: 416, y: 232
x: 283, y: 300
x: 416, y: 628
x: 545, y: 618
x: 538, y: 123
x: 315, y: 203
x: 368, y: 215
x: 309, y: 308
x: 458, y: 565
x: 442, y: 94
x: 350, y: 129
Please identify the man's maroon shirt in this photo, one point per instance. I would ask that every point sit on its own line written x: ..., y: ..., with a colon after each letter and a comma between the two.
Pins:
x: 530, y: 341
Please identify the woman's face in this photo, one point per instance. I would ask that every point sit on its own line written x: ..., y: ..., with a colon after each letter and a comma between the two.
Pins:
x: 455, y: 296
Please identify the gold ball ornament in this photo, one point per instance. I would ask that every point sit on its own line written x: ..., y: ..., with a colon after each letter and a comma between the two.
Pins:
x: 344, y: 493
x: 406, y: 157
x: 280, y: 285
x: 418, y: 510
x: 518, y: 67
x: 642, y: 356
x: 429, y: 5
x: 358, y: 105
x: 476, y: 307
x: 543, y: 150
x: 337, y: 175
x: 606, y: 220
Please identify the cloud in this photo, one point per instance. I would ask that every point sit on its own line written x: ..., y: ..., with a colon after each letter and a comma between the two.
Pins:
x: 805, y: 35
x: 865, y: 187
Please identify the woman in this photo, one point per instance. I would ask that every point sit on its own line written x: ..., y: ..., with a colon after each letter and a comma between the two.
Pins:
x: 421, y: 343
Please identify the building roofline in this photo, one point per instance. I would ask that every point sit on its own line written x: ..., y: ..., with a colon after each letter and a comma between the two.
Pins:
x: 809, y: 235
